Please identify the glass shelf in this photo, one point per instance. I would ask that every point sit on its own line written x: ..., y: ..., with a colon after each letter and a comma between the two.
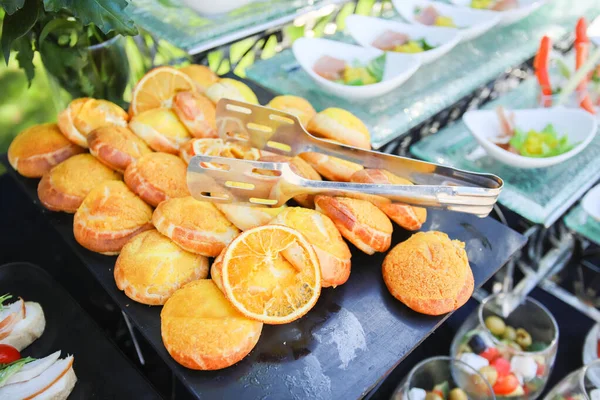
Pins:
x: 539, y: 195
x: 583, y: 224
x: 183, y: 27
x: 435, y: 86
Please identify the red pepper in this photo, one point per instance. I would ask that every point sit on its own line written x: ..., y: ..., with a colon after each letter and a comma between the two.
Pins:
x: 582, y: 49
x: 506, y: 384
x: 490, y: 354
x: 502, y: 365
x: 540, y: 370
x: 540, y: 65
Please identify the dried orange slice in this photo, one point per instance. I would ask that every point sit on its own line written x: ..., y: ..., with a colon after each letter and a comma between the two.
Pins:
x: 157, y: 88
x: 271, y: 274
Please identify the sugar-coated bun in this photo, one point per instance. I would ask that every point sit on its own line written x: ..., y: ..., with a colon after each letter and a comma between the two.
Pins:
x: 157, y: 177
x: 430, y: 273
x: 83, y: 115
x: 160, y: 129
x: 294, y: 105
x: 37, y: 149
x: 109, y: 217
x: 197, y: 113
x: 202, y: 76
x: 332, y: 168
x: 341, y: 126
x: 407, y: 216
x: 246, y: 217
x: 359, y: 221
x: 64, y: 187
x: 116, y: 146
x: 333, y: 253
x: 230, y: 89
x: 217, y: 147
x: 151, y: 267
x: 196, y: 226
x: 202, y: 330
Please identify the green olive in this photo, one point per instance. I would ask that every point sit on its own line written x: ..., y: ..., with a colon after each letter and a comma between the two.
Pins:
x: 495, y: 324
x: 457, y: 394
x: 523, y: 338
x: 490, y: 374
x: 433, y: 396
x: 465, y: 348
x: 509, y: 333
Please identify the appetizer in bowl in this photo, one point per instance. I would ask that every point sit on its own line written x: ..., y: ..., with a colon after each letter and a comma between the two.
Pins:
x: 428, y: 43
x: 511, y: 11
x: 535, y: 138
x: 351, y: 71
x: 472, y: 23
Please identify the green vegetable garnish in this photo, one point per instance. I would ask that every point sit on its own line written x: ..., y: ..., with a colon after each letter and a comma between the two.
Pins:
x: 563, y: 68
x: 3, y: 299
x: 8, y: 370
x: 425, y: 45
x: 376, y: 67
x: 443, y: 388
x: 540, y: 144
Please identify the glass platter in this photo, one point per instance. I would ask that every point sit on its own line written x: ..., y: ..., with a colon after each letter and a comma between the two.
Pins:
x: 435, y: 86
x: 583, y: 224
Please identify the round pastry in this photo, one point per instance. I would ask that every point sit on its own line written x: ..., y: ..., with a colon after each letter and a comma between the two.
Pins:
x: 359, y: 221
x: 429, y: 273
x: 294, y: 105
x: 151, y: 268
x: 116, y: 147
x: 83, y: 115
x: 37, y: 149
x: 333, y: 253
x: 201, y: 330
x: 197, y: 113
x: 407, y: 216
x: 157, y: 177
x: 196, y: 226
x: 109, y: 217
x: 64, y: 187
x: 216, y: 147
x: 231, y: 89
x: 301, y: 168
x: 202, y: 76
x: 341, y: 126
x: 245, y: 217
x: 161, y: 129
x: 332, y: 168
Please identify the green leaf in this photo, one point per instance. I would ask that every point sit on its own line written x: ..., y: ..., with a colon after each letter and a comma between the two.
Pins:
x: 376, y: 67
x: 355, y: 82
x: 425, y: 45
x: 24, y: 49
x: 8, y: 370
x: 11, y: 6
x: 108, y: 15
x: 563, y: 68
x: 3, y: 298
x: 518, y: 139
x: 18, y: 25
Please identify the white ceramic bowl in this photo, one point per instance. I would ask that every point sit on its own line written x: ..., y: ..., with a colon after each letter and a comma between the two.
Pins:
x: 398, y: 68
x: 579, y: 125
x: 365, y: 30
x: 591, y: 203
x: 205, y: 7
x: 525, y: 8
x: 472, y: 23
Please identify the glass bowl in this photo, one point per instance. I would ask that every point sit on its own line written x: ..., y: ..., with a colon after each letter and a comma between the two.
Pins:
x: 582, y: 384
x: 443, y: 378
x: 517, y: 361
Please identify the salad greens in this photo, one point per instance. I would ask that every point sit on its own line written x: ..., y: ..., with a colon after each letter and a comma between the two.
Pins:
x: 545, y: 143
x: 8, y: 370
x: 3, y: 299
x: 414, y: 46
x: 359, y: 75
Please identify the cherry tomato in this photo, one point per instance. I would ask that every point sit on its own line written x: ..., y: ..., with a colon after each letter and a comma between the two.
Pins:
x: 506, y: 384
x: 502, y: 366
x: 8, y: 354
x: 540, y: 370
x: 490, y: 354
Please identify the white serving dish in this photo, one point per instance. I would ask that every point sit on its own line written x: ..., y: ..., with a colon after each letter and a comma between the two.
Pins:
x: 471, y: 23
x: 508, y: 17
x: 205, y: 7
x: 591, y: 203
x: 365, y: 30
x: 399, y: 67
x: 579, y: 125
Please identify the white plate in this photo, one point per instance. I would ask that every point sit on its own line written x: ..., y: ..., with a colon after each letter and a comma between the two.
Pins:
x: 508, y: 17
x: 398, y: 67
x: 579, y: 125
x: 591, y: 203
x: 365, y: 30
x: 471, y: 23
x: 212, y: 8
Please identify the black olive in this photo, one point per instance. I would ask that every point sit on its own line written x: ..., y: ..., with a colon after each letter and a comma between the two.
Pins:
x: 477, y: 344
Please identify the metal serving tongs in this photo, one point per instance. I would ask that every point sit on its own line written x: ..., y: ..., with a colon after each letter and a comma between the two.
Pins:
x: 254, y: 183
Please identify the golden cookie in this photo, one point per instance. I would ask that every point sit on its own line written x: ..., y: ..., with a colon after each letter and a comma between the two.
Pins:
x: 160, y: 129
x: 116, y: 147
x: 341, y: 126
x: 294, y: 105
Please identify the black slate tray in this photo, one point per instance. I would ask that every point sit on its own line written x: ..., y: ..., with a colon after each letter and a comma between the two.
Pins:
x: 103, y: 372
x: 344, y: 346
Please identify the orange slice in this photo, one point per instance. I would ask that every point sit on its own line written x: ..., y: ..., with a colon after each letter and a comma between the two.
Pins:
x: 157, y: 88
x: 271, y: 274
